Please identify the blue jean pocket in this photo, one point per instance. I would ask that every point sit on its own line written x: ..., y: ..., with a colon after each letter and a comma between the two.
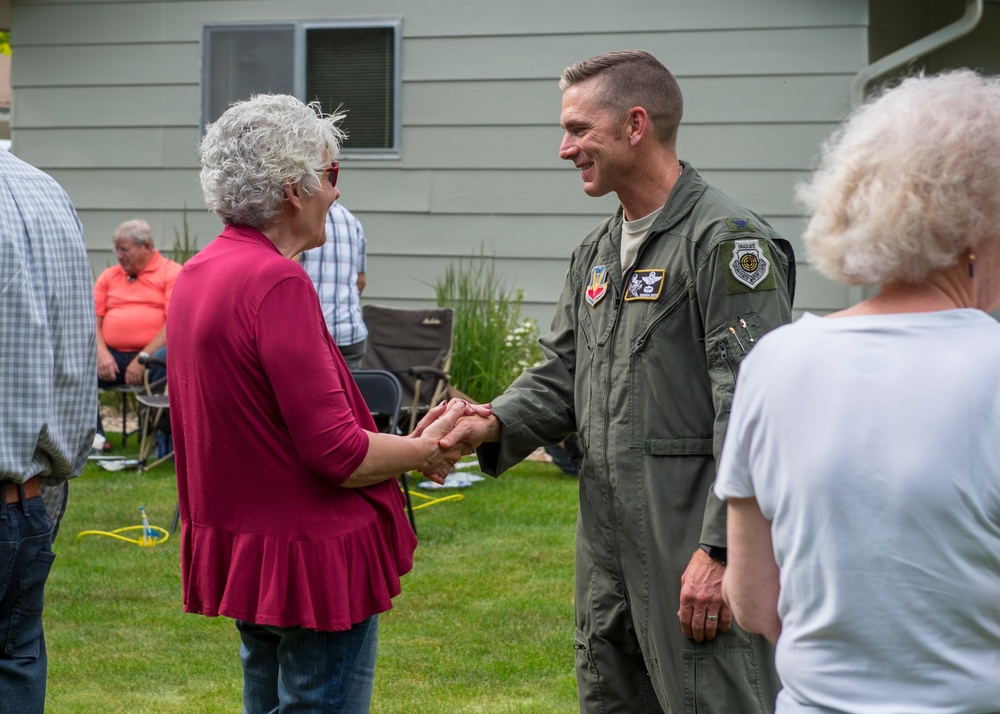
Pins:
x: 23, y: 634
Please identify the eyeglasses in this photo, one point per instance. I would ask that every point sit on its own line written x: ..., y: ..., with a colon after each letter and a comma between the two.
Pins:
x: 331, y: 172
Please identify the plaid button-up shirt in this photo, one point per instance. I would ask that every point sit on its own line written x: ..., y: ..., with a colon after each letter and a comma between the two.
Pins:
x: 48, y: 347
x: 333, y: 269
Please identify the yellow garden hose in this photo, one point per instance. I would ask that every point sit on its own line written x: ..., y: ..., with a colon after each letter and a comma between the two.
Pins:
x: 151, y: 535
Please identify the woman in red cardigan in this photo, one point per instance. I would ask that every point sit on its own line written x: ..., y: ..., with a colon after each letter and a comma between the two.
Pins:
x: 292, y: 521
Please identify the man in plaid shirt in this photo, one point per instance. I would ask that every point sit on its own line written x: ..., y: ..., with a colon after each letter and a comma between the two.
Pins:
x: 337, y: 269
x: 48, y: 350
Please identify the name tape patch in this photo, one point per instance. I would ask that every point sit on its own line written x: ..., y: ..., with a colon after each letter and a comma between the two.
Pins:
x: 645, y: 284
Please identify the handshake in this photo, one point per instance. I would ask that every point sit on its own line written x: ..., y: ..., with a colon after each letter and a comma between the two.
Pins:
x: 455, y: 428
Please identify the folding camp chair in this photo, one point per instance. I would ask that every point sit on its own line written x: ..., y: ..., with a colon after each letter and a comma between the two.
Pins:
x: 125, y: 390
x: 383, y: 394
x: 154, y: 420
x: 415, y: 345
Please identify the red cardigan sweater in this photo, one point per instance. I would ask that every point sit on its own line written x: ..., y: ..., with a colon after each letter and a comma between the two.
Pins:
x: 267, y: 424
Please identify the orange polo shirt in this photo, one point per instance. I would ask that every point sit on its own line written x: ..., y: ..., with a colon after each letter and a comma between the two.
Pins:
x: 135, y: 311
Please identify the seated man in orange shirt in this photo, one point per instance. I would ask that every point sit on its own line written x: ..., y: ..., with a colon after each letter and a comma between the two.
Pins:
x: 131, y: 300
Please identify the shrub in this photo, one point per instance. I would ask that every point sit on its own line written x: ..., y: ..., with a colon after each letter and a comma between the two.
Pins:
x: 492, y: 343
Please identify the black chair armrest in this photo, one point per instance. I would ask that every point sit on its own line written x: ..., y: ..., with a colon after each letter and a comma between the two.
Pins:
x: 423, y: 371
x: 151, y: 361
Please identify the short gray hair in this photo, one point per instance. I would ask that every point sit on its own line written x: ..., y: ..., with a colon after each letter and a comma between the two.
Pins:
x: 909, y: 182
x: 257, y: 147
x: 633, y: 78
x: 137, y: 231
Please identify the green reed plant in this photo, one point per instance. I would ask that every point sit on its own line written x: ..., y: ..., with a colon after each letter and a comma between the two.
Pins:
x: 492, y: 343
x: 184, y: 245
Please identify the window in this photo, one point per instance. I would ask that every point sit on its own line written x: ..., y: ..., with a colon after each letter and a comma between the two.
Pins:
x: 351, y: 65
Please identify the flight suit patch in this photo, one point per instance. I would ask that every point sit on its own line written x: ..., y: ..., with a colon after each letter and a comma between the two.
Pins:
x: 598, y: 286
x: 739, y: 225
x: 747, y: 265
x: 645, y: 284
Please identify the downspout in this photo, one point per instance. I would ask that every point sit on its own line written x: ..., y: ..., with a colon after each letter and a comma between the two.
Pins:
x: 901, y: 57
x: 949, y: 33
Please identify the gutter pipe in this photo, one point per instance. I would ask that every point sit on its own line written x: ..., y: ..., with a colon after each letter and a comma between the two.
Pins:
x: 859, y: 85
x: 949, y: 33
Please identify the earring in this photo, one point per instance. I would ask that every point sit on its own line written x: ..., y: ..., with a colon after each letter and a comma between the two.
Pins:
x: 972, y: 260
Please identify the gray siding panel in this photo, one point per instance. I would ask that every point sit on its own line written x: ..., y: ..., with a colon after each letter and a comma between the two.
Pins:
x: 151, y: 106
x: 103, y: 65
x: 744, y: 146
x: 167, y: 226
x: 122, y: 148
x: 392, y: 278
x: 696, y: 54
x: 471, y: 194
x: 137, y: 191
x: 448, y: 237
x: 814, y: 293
x: 715, y: 100
x: 86, y: 21
x: 761, y: 147
x: 107, y: 100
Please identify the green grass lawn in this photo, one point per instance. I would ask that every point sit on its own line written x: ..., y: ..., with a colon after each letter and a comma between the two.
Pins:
x: 484, y: 624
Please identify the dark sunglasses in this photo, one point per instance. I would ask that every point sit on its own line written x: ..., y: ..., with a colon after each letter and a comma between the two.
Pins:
x: 331, y: 172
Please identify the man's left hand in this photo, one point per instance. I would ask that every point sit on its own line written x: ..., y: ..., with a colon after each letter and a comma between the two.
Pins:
x: 134, y: 373
x: 703, y: 613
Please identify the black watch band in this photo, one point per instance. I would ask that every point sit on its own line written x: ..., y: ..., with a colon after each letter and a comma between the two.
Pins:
x: 715, y: 552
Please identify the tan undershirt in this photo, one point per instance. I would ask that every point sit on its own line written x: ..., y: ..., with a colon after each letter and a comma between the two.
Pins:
x: 633, y: 233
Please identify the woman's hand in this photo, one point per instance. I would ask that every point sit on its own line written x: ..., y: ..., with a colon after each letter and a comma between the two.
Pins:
x: 432, y: 428
x: 435, y: 413
x: 389, y: 454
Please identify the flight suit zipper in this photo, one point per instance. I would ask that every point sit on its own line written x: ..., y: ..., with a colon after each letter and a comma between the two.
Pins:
x: 612, y: 510
x: 724, y: 354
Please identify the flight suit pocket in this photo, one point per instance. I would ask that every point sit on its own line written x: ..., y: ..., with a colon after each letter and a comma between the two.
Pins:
x: 718, y: 680
x: 725, y: 348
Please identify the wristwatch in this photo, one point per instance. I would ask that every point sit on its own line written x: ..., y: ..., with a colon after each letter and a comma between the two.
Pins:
x: 144, y: 355
x: 715, y: 552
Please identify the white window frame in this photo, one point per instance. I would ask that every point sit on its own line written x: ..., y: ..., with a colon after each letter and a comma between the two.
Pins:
x: 299, y: 30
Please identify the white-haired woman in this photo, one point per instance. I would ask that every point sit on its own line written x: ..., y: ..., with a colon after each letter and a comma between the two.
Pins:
x: 292, y: 522
x: 862, y: 461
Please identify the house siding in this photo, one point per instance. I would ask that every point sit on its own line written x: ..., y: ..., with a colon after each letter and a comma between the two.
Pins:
x: 107, y: 100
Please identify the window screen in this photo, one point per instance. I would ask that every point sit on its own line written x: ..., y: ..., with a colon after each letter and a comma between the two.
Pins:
x: 351, y: 66
x: 354, y: 68
x: 243, y: 61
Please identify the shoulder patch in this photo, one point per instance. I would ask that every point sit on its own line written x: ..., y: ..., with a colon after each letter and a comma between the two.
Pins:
x: 747, y: 266
x: 740, y: 225
x: 598, y: 286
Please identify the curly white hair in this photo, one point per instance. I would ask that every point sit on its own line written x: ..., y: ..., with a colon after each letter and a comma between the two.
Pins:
x: 257, y: 147
x: 909, y: 182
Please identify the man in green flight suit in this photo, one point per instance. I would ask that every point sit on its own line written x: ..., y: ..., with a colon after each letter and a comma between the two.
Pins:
x: 660, y: 304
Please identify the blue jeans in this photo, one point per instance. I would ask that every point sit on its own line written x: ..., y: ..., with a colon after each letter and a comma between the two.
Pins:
x: 25, y: 561
x: 300, y: 671
x: 123, y: 360
x: 354, y: 354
